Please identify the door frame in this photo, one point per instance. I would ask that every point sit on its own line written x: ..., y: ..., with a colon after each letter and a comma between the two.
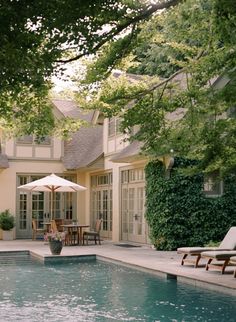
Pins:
x: 96, y: 204
x: 133, y: 178
x: 24, y: 206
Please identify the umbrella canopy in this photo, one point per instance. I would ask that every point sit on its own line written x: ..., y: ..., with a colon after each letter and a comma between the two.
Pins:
x: 52, y: 183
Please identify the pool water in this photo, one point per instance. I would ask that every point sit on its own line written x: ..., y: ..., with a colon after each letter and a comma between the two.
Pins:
x: 100, y: 291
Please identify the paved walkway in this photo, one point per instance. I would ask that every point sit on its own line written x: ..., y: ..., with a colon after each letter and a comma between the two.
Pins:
x: 166, y: 264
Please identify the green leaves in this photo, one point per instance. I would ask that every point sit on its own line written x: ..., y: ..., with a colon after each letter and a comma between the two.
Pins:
x: 177, y: 211
x: 187, y: 111
x: 39, y: 37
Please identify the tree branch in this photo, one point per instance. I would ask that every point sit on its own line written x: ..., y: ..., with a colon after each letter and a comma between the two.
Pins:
x: 118, y: 29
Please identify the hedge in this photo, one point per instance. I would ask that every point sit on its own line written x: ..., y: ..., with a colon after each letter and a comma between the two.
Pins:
x: 178, y: 212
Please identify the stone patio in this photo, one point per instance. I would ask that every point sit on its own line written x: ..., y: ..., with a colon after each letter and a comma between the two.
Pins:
x: 162, y: 263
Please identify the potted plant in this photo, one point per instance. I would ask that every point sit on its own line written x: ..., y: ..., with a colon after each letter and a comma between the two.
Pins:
x: 55, y: 240
x: 7, y: 223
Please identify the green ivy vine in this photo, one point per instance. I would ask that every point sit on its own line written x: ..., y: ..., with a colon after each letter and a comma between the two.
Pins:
x: 178, y: 212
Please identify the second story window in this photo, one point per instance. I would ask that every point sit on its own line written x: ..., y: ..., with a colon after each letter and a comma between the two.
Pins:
x: 114, y: 126
x: 25, y: 139
x: 45, y: 141
x: 30, y: 140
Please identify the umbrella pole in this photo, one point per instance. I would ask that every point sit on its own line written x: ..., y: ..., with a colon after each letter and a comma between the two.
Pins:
x: 52, y: 204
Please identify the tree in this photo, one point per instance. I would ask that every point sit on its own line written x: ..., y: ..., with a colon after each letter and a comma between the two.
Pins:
x: 185, y: 113
x: 39, y: 37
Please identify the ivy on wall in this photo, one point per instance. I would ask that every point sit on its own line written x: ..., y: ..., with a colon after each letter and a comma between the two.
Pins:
x: 179, y: 214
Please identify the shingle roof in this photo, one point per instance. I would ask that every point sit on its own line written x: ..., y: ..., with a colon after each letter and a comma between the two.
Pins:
x: 130, y: 153
x: 70, y: 108
x: 85, y: 146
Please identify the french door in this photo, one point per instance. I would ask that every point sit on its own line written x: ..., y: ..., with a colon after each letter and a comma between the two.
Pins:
x: 132, y: 213
x: 36, y: 205
x: 102, y: 209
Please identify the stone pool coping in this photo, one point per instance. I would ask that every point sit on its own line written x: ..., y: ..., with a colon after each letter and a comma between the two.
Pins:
x: 145, y: 258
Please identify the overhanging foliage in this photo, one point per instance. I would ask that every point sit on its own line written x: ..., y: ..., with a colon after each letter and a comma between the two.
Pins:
x: 186, y: 46
x: 39, y: 37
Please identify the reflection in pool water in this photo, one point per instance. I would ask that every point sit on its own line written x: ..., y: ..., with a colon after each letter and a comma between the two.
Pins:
x: 100, y: 291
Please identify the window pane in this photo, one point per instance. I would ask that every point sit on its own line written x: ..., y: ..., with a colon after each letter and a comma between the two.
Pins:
x: 26, y: 139
x: 44, y: 141
x: 213, y: 186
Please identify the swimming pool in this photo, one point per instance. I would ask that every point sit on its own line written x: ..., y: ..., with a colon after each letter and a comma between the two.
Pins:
x: 100, y: 291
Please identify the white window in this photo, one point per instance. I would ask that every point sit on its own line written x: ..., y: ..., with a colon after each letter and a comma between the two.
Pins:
x: 25, y: 139
x: 114, y: 126
x: 30, y: 139
x: 45, y: 141
x: 133, y: 175
x: 213, y: 186
x: 101, y: 180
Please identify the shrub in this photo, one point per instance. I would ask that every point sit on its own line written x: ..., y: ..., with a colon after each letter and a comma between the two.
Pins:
x: 179, y: 214
x: 7, y: 221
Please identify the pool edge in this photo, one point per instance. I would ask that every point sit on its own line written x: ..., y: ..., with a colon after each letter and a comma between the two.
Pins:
x: 198, y: 283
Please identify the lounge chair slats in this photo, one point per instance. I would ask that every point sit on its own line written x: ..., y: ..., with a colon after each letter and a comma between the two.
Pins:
x: 221, y: 259
x: 193, y: 255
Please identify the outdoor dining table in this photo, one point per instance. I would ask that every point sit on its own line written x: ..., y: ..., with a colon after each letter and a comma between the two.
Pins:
x: 72, y: 230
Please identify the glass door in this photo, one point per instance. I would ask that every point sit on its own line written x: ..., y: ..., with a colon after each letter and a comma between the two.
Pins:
x: 102, y: 209
x: 38, y: 208
x: 37, y: 205
x: 101, y: 203
x: 133, y: 224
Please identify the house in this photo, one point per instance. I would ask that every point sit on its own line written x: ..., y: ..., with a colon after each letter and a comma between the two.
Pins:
x: 96, y: 157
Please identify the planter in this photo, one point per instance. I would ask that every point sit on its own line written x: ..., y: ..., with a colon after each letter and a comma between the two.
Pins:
x: 55, y: 247
x: 7, y: 235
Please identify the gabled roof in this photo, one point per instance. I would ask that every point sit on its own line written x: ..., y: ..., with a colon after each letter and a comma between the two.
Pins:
x: 85, y: 147
x: 69, y: 108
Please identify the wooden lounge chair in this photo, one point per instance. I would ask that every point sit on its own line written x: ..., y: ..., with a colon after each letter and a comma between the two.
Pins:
x: 195, y: 253
x: 233, y: 261
x: 36, y: 231
x: 221, y: 259
x: 93, y: 234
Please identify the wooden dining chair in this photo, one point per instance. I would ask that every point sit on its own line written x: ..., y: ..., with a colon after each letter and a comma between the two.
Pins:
x: 53, y: 226
x: 59, y: 222
x: 72, y: 235
x: 93, y: 235
x: 36, y: 231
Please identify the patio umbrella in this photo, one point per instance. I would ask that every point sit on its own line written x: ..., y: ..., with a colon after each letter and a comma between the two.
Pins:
x: 52, y: 183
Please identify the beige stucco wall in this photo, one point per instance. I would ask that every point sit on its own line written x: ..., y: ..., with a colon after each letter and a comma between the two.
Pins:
x: 82, y: 205
x: 27, y: 159
x: 114, y: 143
x: 116, y: 202
x: 8, y: 179
x: 22, y: 151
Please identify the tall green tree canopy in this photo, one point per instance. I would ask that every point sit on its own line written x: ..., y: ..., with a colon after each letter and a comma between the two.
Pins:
x: 186, y: 104
x: 39, y: 37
